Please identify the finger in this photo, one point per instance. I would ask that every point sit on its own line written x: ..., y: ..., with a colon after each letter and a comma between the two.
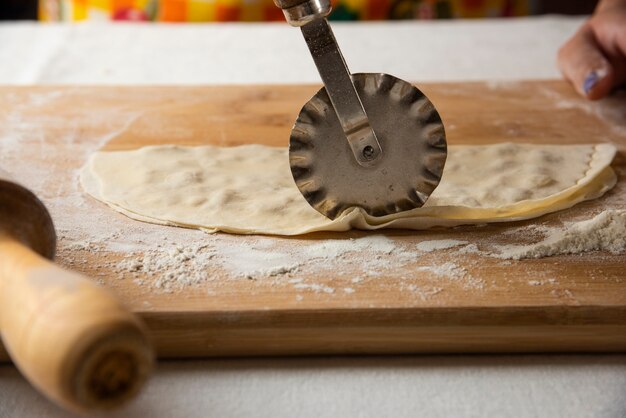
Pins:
x: 582, y: 62
x: 610, y: 33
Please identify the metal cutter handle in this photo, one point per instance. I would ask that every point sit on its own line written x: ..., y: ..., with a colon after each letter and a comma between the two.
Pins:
x: 310, y: 16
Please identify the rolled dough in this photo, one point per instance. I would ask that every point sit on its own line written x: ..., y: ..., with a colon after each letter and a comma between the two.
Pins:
x: 249, y: 189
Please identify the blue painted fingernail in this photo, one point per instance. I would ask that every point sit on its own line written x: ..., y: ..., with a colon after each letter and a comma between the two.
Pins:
x: 590, y: 81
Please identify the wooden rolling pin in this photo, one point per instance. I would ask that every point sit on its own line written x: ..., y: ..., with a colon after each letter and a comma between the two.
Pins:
x: 71, y: 338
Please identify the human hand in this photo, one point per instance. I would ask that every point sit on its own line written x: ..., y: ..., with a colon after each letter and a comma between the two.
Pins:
x: 594, y: 59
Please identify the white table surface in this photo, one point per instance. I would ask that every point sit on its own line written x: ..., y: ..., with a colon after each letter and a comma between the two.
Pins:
x: 408, y: 386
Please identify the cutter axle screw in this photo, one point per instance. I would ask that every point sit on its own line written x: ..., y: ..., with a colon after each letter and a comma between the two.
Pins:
x: 369, y: 152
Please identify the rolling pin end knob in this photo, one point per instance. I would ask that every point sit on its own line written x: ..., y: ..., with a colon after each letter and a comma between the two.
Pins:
x: 112, y: 370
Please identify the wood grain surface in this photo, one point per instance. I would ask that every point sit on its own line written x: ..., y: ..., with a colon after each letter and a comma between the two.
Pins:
x: 561, y: 303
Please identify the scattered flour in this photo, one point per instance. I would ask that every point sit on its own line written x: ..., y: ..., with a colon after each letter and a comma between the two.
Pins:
x: 528, y: 229
x: 604, y: 232
x: 542, y: 282
x: 424, y: 293
x: 456, y: 273
x: 315, y: 287
x: 173, y: 268
x: 378, y: 244
x: 469, y: 249
x: 449, y: 270
x: 265, y: 259
x: 443, y: 244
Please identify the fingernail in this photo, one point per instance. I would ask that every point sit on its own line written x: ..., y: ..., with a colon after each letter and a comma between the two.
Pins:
x: 590, y: 81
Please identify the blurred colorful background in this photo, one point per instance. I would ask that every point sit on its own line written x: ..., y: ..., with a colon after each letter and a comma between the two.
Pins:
x: 264, y: 10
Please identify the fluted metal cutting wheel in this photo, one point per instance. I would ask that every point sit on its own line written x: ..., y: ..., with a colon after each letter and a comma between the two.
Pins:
x: 410, y: 133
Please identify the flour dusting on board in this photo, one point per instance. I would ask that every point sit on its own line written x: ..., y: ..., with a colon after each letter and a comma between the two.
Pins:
x: 604, y: 232
x: 454, y: 272
x: 264, y: 259
x: 443, y: 244
x: 611, y: 109
x: 114, y: 248
x: 177, y: 266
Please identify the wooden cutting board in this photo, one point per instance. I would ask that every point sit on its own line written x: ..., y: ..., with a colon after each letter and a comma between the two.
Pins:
x: 383, y: 298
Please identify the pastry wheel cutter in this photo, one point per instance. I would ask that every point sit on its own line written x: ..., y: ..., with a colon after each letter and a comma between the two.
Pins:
x: 365, y: 140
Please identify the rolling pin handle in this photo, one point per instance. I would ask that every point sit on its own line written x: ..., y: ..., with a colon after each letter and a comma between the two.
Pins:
x: 67, y: 335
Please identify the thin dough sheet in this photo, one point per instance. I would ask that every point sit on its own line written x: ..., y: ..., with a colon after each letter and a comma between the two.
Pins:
x: 249, y: 189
